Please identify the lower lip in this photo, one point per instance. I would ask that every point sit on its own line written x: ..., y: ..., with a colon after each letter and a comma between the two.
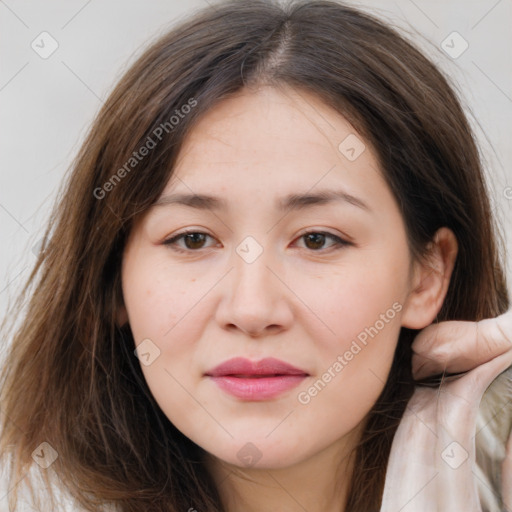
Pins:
x: 258, y: 388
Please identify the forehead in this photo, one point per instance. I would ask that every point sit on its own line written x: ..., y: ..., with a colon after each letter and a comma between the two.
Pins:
x: 269, y: 142
x: 286, y: 123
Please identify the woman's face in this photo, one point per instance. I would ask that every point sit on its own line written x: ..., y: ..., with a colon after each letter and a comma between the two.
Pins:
x: 299, y: 253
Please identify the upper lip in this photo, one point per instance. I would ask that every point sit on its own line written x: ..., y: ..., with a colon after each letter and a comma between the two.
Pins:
x: 239, y: 366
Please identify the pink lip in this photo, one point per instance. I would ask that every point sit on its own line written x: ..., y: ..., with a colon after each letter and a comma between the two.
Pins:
x: 256, y: 381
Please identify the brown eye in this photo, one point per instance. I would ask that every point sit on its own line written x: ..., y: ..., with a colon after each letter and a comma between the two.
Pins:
x: 188, y: 241
x: 314, y: 240
x: 194, y: 240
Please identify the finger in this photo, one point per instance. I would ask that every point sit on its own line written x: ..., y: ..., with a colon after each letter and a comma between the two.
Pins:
x: 495, y: 334
x: 459, y: 346
x: 448, y: 346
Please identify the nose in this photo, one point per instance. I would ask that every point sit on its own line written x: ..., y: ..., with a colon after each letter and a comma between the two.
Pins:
x: 255, y: 299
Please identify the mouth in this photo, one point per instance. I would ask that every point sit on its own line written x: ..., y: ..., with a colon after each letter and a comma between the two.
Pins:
x: 262, y: 376
x: 257, y: 388
x: 245, y: 368
x: 256, y: 381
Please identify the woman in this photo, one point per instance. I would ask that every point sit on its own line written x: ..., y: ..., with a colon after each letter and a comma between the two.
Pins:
x: 193, y: 229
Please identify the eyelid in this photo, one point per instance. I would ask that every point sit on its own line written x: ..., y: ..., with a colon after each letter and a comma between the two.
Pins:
x: 171, y: 241
x: 340, y: 241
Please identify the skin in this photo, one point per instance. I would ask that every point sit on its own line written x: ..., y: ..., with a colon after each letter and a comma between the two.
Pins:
x: 300, y: 301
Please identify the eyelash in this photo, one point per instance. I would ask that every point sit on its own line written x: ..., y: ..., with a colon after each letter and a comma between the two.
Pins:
x: 172, y: 242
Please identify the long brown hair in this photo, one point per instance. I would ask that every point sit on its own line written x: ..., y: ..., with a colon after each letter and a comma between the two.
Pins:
x: 71, y: 378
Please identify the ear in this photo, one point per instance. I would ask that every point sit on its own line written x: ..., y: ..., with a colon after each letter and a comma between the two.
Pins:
x: 430, y: 281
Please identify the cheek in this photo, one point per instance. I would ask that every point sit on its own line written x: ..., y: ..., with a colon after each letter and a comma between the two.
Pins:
x: 359, y: 314
x: 167, y: 311
x: 355, y: 361
x: 352, y: 374
x: 172, y: 318
x: 159, y: 300
x: 357, y: 301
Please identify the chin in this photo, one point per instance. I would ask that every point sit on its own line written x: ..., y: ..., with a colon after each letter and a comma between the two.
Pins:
x: 261, y: 454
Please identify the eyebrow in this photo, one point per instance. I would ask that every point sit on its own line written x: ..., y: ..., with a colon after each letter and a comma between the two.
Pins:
x: 289, y: 202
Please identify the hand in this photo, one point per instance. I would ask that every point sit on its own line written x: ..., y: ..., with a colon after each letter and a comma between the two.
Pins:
x: 460, y: 346
x: 433, y: 453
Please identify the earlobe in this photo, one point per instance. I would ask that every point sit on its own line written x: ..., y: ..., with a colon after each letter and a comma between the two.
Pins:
x: 430, y: 281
